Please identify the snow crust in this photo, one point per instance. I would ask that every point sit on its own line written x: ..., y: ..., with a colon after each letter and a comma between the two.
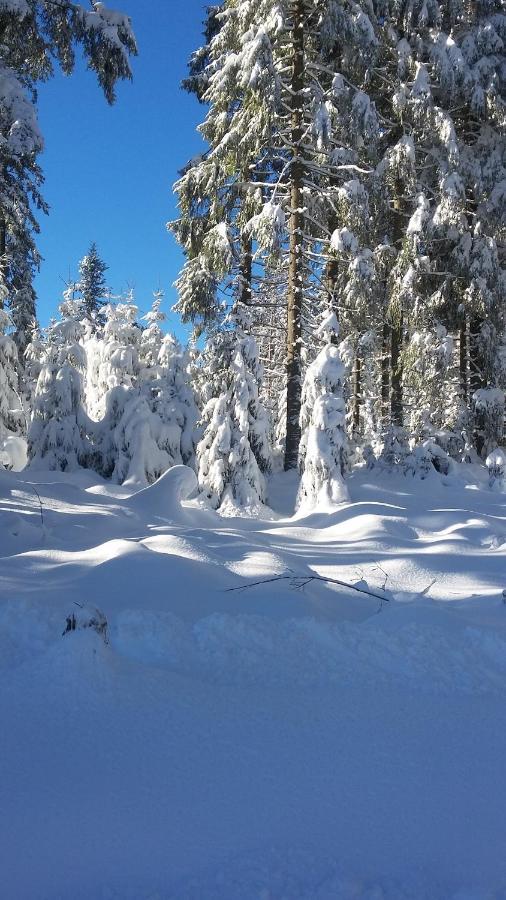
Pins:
x: 263, y: 743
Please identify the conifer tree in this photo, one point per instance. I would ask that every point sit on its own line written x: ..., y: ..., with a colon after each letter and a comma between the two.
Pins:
x: 58, y: 433
x: 11, y: 414
x: 322, y: 455
x: 91, y: 285
x: 233, y: 449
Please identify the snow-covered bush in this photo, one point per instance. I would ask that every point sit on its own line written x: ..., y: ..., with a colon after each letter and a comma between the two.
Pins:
x: 496, y: 465
x: 394, y: 450
x: 488, y: 417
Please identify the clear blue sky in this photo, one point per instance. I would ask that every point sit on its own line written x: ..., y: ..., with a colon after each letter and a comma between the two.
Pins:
x: 109, y: 170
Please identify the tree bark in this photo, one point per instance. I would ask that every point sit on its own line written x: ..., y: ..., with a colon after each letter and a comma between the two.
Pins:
x: 295, y: 261
x: 463, y: 360
x: 476, y: 366
x: 246, y: 270
x: 385, y: 375
x: 477, y: 379
x: 3, y: 247
x: 357, y: 394
x: 396, y: 398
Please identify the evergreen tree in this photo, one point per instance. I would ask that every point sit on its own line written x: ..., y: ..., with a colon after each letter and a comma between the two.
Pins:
x: 58, y: 433
x: 91, y: 285
x: 236, y: 426
x: 11, y: 414
x: 322, y: 455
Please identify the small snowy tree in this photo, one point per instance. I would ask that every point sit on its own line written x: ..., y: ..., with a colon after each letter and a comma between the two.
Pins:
x: 230, y: 475
x: 113, y: 355
x: 58, y: 434
x: 150, y: 426
x: 323, y: 427
x: 91, y: 285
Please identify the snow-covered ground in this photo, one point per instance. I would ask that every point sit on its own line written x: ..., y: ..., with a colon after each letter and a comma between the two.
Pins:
x: 265, y: 743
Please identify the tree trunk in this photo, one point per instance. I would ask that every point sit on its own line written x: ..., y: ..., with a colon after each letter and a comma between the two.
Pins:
x: 357, y: 394
x: 476, y: 374
x: 477, y: 378
x: 463, y: 360
x: 246, y: 270
x: 3, y: 247
x: 385, y: 375
x: 396, y: 399
x: 295, y: 262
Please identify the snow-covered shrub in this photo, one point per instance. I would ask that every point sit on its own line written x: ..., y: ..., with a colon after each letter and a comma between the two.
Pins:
x: 87, y: 617
x: 394, y: 450
x: 488, y: 404
x: 440, y: 460
x: 323, y: 428
x: 496, y: 465
x: 13, y: 453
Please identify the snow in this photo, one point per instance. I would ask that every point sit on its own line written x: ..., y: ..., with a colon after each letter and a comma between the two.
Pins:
x: 261, y: 743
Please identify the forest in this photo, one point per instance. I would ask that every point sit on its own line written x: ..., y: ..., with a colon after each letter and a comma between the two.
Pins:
x: 253, y: 529
x: 344, y: 240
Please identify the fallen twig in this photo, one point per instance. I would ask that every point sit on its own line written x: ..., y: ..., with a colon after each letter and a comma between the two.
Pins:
x: 300, y: 581
x: 41, y: 506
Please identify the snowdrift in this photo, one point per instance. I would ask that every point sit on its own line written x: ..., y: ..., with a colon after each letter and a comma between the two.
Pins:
x: 255, y: 741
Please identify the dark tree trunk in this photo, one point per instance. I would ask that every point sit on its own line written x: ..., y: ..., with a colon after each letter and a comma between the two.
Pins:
x: 295, y: 262
x: 397, y: 322
x: 246, y: 270
x: 396, y: 399
x: 385, y: 375
x: 477, y: 378
x: 463, y: 360
x: 357, y: 394
x: 476, y: 362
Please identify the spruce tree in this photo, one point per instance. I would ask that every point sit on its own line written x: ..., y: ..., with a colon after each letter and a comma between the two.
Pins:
x: 92, y: 285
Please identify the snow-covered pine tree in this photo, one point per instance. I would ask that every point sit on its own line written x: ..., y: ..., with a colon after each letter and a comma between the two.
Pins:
x: 58, y: 434
x: 113, y: 356
x: 23, y: 314
x: 152, y: 336
x: 156, y: 417
x: 175, y: 404
x: 11, y: 413
x: 322, y: 456
x: 91, y: 287
x: 233, y: 450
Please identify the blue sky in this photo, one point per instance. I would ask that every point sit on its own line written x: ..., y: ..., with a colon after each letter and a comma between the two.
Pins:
x: 109, y: 170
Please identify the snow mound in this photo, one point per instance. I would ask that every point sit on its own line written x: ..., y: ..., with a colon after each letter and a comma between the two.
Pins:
x: 164, y: 498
